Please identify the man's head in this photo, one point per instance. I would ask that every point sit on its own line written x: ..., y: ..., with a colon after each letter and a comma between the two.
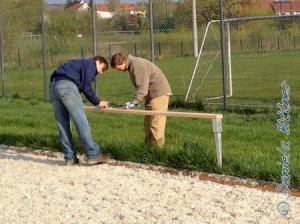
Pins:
x: 118, y: 61
x: 101, y: 64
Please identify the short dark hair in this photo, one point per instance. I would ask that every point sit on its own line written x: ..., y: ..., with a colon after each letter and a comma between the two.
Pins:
x: 117, y: 59
x: 101, y: 59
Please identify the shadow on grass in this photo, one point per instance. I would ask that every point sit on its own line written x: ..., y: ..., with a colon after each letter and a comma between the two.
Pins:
x: 192, y: 156
x: 255, y: 169
x: 34, y: 141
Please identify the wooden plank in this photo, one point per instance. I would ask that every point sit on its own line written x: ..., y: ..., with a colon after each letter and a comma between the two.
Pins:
x: 150, y: 112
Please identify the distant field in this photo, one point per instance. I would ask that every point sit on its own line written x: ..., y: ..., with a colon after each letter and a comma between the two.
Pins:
x: 256, y: 79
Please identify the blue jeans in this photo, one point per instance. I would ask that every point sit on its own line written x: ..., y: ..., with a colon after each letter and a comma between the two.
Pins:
x: 67, y: 104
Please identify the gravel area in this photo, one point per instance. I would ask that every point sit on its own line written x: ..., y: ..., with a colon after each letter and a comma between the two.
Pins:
x: 41, y: 189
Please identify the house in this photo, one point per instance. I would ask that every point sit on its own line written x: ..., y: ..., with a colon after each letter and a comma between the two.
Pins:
x: 103, y: 11
x: 133, y: 9
x: 80, y: 7
x: 288, y: 7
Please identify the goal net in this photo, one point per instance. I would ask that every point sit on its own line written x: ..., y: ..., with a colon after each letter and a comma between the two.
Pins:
x: 207, y: 81
x: 259, y: 54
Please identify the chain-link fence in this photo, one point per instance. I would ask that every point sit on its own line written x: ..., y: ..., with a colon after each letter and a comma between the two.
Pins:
x: 260, y: 51
x: 69, y: 34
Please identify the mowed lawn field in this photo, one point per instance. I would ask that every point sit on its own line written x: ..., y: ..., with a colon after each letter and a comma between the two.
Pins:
x: 250, y: 135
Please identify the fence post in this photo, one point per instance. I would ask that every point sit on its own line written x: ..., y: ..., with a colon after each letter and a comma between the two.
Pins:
x: 260, y: 45
x: 294, y: 42
x: 42, y: 13
x: 151, y: 30
x: 159, y: 50
x: 19, y: 57
x: 278, y: 47
x: 94, y: 39
x: 135, y: 49
x: 81, y: 50
x: 181, y: 46
x: 2, y: 57
x: 51, y: 55
x: 109, y: 51
x: 241, y: 44
x: 195, y: 36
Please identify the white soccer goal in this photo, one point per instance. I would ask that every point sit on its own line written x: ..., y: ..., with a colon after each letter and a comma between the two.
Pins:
x: 254, y: 56
x: 207, y: 73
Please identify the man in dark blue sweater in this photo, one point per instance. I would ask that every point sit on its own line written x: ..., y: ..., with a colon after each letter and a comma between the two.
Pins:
x: 66, y: 83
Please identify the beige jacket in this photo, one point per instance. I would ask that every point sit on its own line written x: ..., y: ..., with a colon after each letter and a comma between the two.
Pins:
x: 148, y: 80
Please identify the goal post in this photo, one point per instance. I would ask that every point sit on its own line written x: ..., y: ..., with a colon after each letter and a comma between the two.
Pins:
x: 217, y: 54
x: 242, y: 36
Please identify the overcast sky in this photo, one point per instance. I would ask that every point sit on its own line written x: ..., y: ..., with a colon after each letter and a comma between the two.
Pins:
x: 97, y: 1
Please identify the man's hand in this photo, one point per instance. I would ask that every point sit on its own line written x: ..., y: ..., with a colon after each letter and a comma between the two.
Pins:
x: 103, y: 104
x: 131, y: 104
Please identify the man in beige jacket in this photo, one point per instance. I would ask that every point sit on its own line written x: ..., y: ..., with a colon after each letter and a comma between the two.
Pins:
x: 151, y: 84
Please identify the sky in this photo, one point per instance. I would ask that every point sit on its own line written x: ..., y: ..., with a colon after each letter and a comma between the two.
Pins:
x: 97, y: 1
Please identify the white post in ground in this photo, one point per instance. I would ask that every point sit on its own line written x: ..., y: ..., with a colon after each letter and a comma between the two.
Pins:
x: 217, y: 129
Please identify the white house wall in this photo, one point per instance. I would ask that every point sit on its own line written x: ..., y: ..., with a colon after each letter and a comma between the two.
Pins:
x: 105, y: 15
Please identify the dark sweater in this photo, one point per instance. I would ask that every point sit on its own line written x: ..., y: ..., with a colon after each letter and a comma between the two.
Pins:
x: 82, y: 72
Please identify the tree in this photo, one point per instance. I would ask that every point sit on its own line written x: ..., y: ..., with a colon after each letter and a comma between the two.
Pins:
x: 237, y: 8
x: 112, y: 4
x: 70, y: 3
x: 120, y: 22
x: 183, y: 15
x: 16, y: 15
x: 208, y: 10
x: 162, y: 19
x: 63, y: 25
x: 90, y: 3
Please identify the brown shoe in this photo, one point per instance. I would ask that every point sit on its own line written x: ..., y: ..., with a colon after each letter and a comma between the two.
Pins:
x: 102, y: 158
x: 72, y: 162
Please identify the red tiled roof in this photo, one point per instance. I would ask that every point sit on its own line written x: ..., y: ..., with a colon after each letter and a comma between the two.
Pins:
x: 102, y: 7
x: 128, y: 6
x: 285, y: 6
x: 125, y: 6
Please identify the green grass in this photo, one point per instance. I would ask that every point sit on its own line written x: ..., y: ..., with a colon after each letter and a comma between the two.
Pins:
x: 250, y: 135
x: 256, y: 78
x: 249, y: 141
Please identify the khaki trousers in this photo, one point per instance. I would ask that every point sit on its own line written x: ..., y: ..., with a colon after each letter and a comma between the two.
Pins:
x: 154, y: 125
